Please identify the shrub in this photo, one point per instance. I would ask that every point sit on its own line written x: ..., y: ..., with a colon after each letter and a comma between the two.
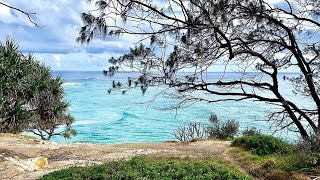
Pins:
x: 194, y: 130
x: 148, y: 168
x: 213, y: 119
x: 263, y: 145
x: 197, y: 130
x: 222, y: 130
x: 30, y: 98
x: 251, y: 132
x: 309, y: 149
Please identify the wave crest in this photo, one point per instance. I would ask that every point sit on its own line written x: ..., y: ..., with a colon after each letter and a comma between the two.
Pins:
x: 83, y: 122
x: 126, y: 115
x: 70, y: 84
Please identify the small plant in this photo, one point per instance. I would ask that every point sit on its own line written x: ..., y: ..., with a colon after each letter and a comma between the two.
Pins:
x: 263, y: 145
x: 251, y: 132
x: 213, y: 119
x: 222, y: 130
x: 194, y: 130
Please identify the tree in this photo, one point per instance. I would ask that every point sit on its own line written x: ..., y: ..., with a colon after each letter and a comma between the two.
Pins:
x: 253, y: 35
x: 21, y: 11
x: 30, y: 99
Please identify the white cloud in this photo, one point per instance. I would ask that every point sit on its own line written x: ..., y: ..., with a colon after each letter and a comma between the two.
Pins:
x: 274, y: 1
x: 57, y: 59
x: 4, y: 11
x: 80, y: 61
x: 9, y: 16
x: 54, y: 44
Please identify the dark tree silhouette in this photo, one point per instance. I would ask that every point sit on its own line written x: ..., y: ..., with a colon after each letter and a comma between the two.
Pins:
x: 253, y: 35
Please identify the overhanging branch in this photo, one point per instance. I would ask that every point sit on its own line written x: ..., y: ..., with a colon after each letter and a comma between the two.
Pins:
x: 23, y: 12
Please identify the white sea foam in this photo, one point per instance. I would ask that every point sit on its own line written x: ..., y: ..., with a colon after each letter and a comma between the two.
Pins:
x: 83, y: 122
x: 70, y: 84
x: 93, y: 78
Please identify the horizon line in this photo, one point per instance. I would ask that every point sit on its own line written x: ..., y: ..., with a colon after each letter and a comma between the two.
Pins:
x: 178, y: 72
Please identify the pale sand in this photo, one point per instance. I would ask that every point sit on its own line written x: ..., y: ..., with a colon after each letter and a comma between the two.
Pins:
x: 17, y: 150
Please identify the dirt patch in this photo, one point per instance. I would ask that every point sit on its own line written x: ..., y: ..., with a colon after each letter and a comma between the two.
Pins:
x: 11, y: 153
x: 15, y: 149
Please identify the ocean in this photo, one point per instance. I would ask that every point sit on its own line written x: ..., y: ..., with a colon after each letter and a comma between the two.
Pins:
x: 132, y: 117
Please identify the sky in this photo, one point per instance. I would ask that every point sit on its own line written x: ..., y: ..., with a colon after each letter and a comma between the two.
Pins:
x: 54, y: 44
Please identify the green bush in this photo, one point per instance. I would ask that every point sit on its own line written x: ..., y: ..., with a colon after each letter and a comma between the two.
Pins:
x: 263, y: 145
x: 251, y: 132
x: 148, y: 168
x: 31, y: 100
x: 223, y: 130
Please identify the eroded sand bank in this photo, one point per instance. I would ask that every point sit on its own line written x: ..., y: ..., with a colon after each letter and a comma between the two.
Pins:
x: 18, y: 154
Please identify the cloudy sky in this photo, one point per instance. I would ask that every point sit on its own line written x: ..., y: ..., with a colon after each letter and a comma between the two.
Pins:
x: 54, y: 44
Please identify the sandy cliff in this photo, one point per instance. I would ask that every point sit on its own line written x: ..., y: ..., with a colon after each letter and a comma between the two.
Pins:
x: 23, y: 157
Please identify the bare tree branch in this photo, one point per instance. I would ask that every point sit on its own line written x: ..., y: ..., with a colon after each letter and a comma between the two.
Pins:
x: 23, y: 12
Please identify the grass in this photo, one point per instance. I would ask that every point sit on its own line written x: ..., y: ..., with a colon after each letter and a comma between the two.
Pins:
x: 263, y: 145
x: 258, y: 156
x: 149, y: 168
x: 271, y: 158
x: 290, y: 166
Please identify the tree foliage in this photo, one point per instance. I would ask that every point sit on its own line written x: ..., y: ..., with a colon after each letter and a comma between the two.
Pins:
x: 253, y: 35
x: 30, y: 99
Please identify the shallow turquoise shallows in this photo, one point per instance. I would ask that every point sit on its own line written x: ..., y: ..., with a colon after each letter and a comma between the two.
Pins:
x: 117, y: 118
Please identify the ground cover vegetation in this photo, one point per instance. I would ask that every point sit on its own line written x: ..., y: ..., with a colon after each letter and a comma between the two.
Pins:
x: 149, y: 168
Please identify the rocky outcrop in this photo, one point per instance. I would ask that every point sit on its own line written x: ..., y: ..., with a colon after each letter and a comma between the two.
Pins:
x: 32, y: 164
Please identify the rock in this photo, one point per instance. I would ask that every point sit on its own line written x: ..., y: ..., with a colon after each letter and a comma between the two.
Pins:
x: 41, y: 163
x: 32, y: 164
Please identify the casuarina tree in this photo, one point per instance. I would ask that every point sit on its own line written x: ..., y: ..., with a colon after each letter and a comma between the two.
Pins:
x: 256, y: 36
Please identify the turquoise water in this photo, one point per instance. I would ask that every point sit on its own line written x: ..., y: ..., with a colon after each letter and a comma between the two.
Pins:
x: 117, y: 118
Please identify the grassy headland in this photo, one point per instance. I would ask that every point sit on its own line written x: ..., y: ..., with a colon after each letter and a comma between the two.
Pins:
x: 248, y: 157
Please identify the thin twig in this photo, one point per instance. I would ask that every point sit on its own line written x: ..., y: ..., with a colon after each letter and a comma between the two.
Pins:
x: 23, y: 12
